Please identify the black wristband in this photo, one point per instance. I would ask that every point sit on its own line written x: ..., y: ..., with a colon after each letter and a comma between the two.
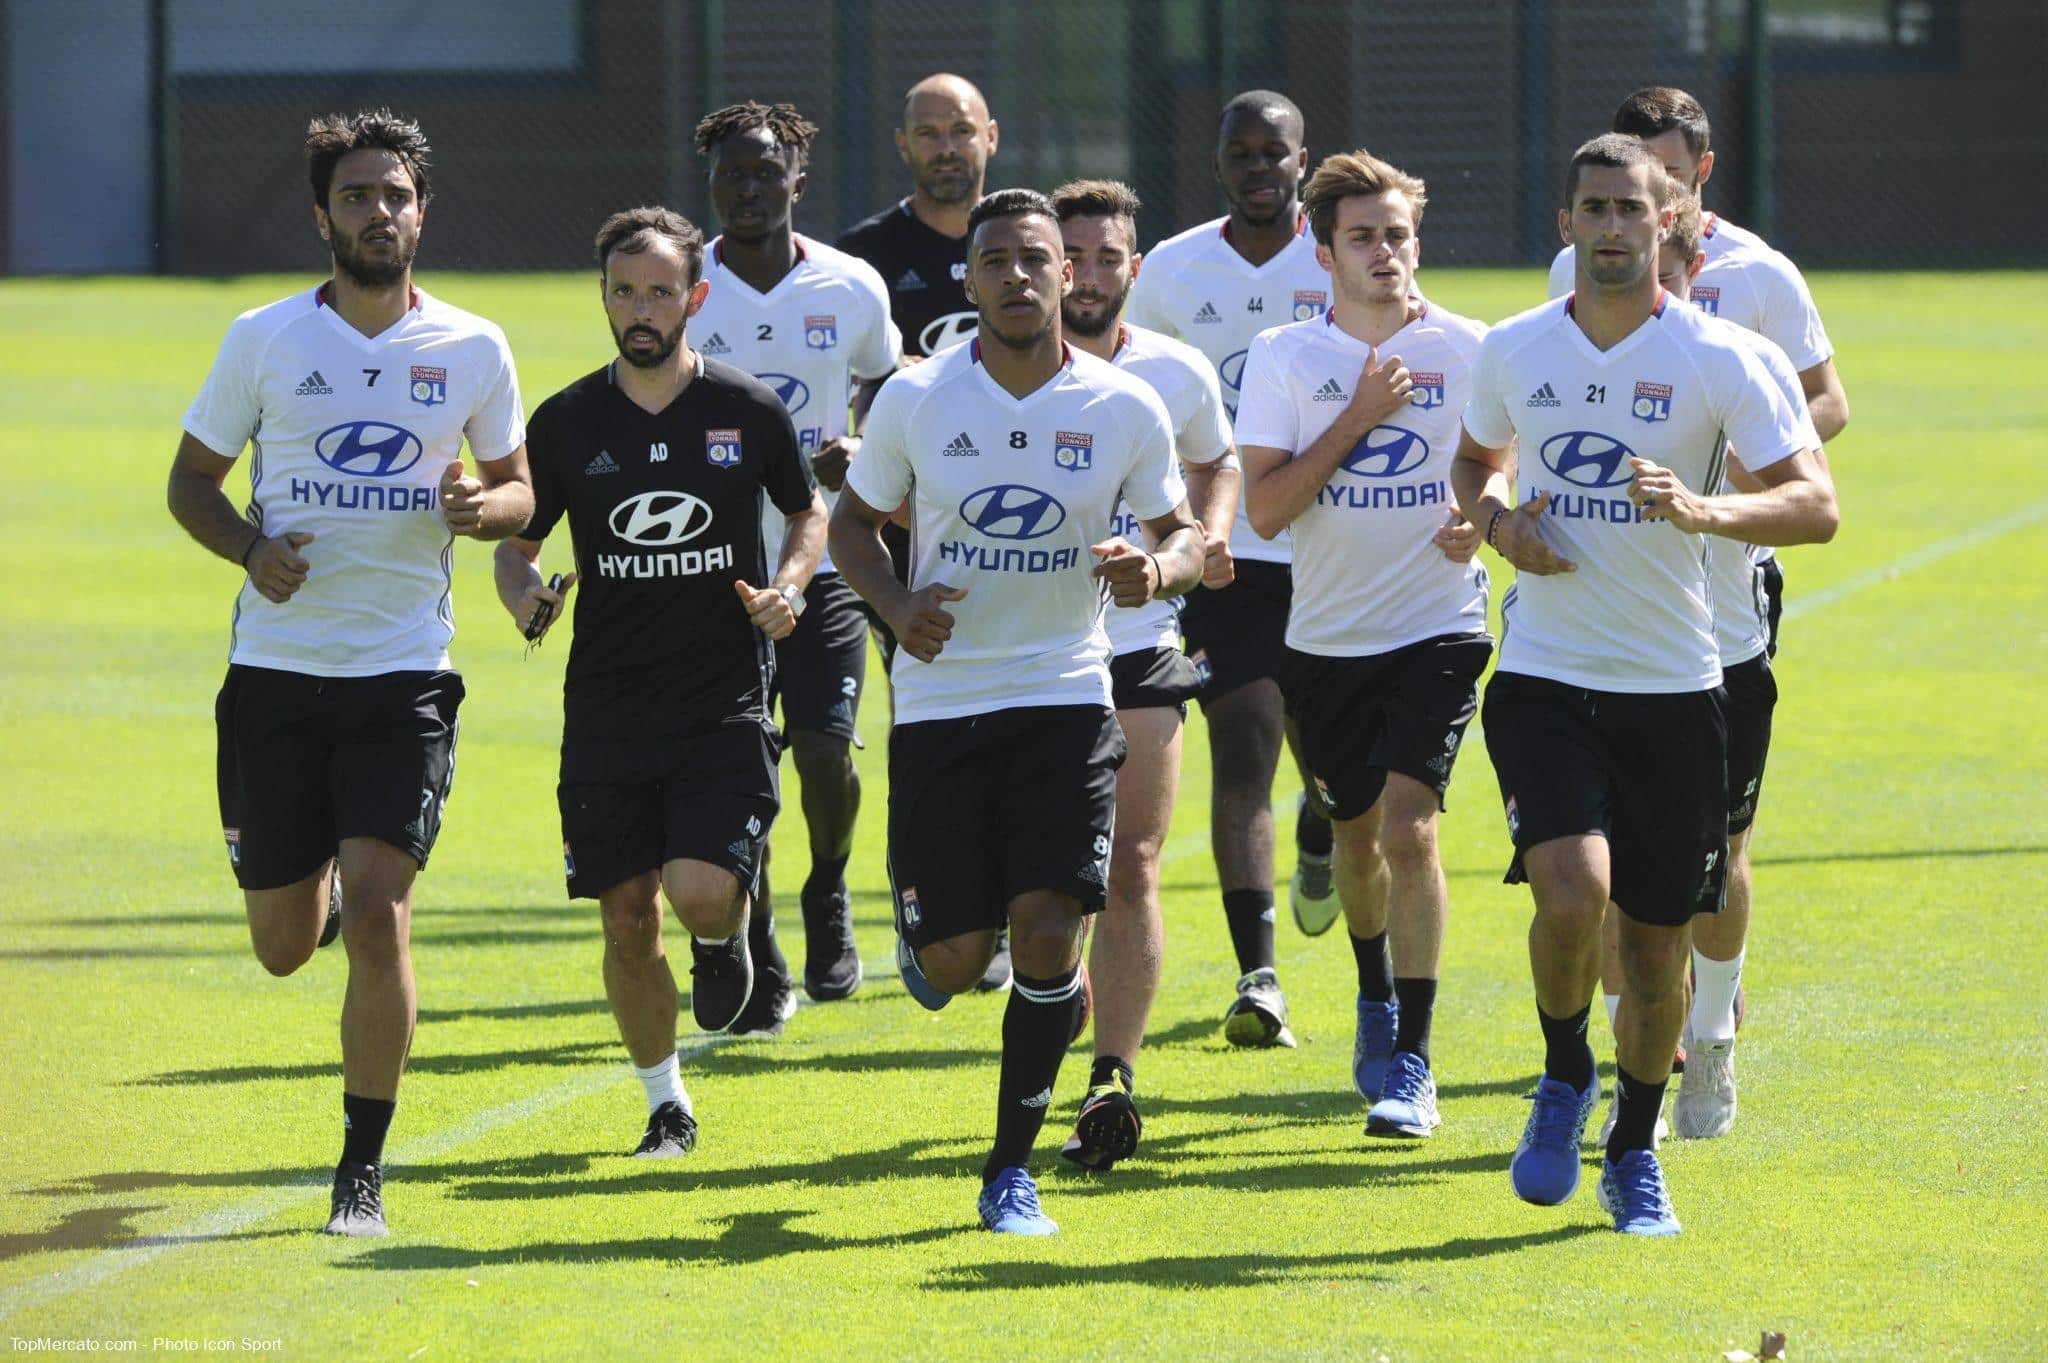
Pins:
x: 1493, y: 524
x: 250, y: 548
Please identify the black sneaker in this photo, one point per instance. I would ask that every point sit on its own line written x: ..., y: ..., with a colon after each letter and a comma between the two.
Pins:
x: 358, y: 1206
x: 671, y: 1133
x: 773, y: 1001
x: 332, y: 928
x: 832, y: 968
x: 997, y: 977
x: 721, y: 981
x: 1107, y: 1129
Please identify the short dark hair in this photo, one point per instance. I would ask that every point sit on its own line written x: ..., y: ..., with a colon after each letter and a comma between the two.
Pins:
x: 789, y: 128
x: 1096, y: 199
x: 630, y: 232
x: 1656, y: 109
x: 1621, y: 151
x: 1009, y: 203
x: 333, y: 136
x: 1270, y: 105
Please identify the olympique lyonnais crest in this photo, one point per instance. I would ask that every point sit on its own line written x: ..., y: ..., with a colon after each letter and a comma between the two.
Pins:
x: 821, y: 333
x: 1073, y: 450
x: 1653, y: 402
x: 429, y: 385
x: 1428, y: 390
x: 1707, y: 298
x: 1310, y: 303
x: 722, y: 446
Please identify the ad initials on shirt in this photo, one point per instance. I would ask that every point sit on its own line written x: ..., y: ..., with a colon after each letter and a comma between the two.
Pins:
x: 657, y: 453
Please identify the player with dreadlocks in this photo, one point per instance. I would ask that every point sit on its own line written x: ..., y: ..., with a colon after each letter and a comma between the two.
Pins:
x: 813, y: 324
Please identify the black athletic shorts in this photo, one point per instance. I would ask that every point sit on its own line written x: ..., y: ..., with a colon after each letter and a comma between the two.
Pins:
x: 1405, y: 711
x: 896, y: 540
x: 1153, y: 678
x: 1236, y: 635
x: 1647, y: 772
x: 988, y: 807
x: 302, y: 762
x: 1774, y: 600
x: 714, y: 802
x: 1752, y: 696
x: 821, y: 667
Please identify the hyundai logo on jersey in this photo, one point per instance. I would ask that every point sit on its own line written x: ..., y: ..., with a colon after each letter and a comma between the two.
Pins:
x: 369, y: 449
x: 429, y: 385
x: 1653, y: 402
x: 1073, y: 450
x: 821, y: 333
x: 1230, y: 371
x: 794, y: 392
x: 1010, y: 511
x: 659, y: 519
x: 942, y: 333
x: 722, y: 446
x: 1588, y: 459
x: 1428, y: 391
x: 1387, y: 452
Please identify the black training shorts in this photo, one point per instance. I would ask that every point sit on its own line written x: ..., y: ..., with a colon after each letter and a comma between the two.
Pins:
x: 823, y: 664
x: 1405, y: 710
x: 302, y: 762
x: 714, y: 801
x: 1153, y: 678
x: 1752, y: 696
x: 985, y: 808
x: 1236, y: 634
x: 1647, y: 772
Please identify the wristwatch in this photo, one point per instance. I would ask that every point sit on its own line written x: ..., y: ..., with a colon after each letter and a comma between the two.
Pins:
x: 794, y: 597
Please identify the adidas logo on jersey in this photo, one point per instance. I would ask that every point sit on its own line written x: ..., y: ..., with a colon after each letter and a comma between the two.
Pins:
x: 1546, y: 396
x: 959, y: 446
x: 312, y: 386
x: 716, y: 345
x: 1331, y: 391
x: 604, y: 463
x: 1208, y: 314
x: 911, y: 281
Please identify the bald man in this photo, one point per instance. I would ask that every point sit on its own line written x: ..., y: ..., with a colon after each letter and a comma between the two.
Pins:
x: 919, y: 246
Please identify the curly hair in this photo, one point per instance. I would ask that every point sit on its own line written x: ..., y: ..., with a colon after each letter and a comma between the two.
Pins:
x: 788, y: 127
x: 333, y: 136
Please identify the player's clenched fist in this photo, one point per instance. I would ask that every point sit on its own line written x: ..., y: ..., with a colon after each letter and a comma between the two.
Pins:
x: 1517, y: 536
x: 275, y: 566
x: 768, y: 608
x: 462, y: 500
x: 1219, y: 568
x: 1457, y: 537
x: 828, y: 465
x: 1663, y: 497
x: 1132, y: 574
x: 923, y: 624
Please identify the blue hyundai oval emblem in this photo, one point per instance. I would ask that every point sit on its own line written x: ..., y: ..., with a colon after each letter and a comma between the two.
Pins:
x: 1231, y: 371
x: 1588, y: 459
x: 794, y: 392
x: 1011, y: 511
x: 368, y: 449
x: 1387, y: 452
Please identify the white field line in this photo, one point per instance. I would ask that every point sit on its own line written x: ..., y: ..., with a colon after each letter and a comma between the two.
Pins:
x: 1807, y: 603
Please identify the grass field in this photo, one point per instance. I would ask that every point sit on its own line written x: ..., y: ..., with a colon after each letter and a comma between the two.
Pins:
x: 169, y: 1114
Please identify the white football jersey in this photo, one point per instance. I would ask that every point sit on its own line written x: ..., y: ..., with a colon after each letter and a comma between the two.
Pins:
x: 1367, y: 579
x: 1196, y: 288
x: 1007, y: 494
x: 349, y: 436
x: 1742, y: 627
x: 824, y: 325
x: 1636, y: 616
x: 1187, y: 384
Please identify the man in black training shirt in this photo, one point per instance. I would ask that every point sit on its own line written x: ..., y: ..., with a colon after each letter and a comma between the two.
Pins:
x: 668, y: 776
x: 919, y: 246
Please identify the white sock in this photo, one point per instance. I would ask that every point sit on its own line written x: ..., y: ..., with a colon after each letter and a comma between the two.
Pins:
x: 1613, y: 1007
x: 1713, y: 996
x: 710, y: 941
x: 663, y: 1081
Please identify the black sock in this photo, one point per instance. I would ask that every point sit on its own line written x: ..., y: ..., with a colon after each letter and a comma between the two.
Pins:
x: 363, y: 1124
x: 1250, y: 916
x: 1107, y: 1067
x: 1311, y: 830
x: 1636, y: 1106
x: 1038, y: 1026
x: 1375, y: 970
x: 1566, y: 1056
x: 827, y: 878
x: 1418, y: 1006
x: 762, y: 945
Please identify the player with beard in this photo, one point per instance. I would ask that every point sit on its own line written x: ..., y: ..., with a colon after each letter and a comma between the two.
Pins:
x: 1151, y: 679
x: 1014, y: 452
x: 336, y: 723
x: 813, y: 323
x: 661, y: 461
x: 1215, y: 287
x: 946, y: 138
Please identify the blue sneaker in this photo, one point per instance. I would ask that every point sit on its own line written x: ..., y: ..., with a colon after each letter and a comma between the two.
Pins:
x: 920, y: 988
x: 1407, y: 1105
x: 1009, y: 1205
x: 1632, y: 1192
x: 1545, y: 1169
x: 1372, y: 1047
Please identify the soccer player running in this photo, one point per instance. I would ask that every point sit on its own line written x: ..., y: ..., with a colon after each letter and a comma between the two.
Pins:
x: 1217, y: 286
x: 1746, y: 282
x: 918, y: 245
x: 1014, y: 452
x: 1348, y: 423
x: 1150, y: 677
x: 812, y: 323
x: 660, y: 461
x: 1605, y: 719
x: 337, y: 719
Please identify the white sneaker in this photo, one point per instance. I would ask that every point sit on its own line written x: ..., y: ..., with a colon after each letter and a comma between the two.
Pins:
x: 1705, y: 1107
x: 1607, y: 1127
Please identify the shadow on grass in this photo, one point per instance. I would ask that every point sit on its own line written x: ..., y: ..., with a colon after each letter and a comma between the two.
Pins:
x: 1235, y: 1270
x: 549, y: 1166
